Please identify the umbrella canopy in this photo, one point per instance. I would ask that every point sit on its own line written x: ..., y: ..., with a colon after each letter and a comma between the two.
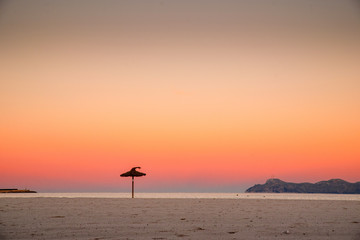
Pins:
x: 133, y: 173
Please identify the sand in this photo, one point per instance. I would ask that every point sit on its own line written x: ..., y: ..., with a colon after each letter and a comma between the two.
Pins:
x: 111, y: 218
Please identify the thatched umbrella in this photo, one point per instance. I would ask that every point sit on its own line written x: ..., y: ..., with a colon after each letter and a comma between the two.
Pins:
x: 133, y: 173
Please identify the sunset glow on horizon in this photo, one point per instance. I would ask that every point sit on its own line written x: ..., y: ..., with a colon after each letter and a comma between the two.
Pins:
x: 204, y: 95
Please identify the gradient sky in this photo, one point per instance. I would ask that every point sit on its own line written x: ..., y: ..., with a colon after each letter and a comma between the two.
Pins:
x: 204, y: 95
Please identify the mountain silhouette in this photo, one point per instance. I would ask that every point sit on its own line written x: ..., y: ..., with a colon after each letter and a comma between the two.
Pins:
x: 275, y: 185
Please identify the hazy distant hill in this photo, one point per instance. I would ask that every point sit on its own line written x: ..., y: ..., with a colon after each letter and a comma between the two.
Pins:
x: 332, y: 186
x: 15, y: 190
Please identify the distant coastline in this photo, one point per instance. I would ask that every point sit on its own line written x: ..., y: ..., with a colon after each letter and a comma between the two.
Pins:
x: 15, y: 190
x: 334, y: 186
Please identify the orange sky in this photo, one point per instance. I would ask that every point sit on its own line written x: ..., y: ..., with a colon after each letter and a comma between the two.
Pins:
x: 204, y: 96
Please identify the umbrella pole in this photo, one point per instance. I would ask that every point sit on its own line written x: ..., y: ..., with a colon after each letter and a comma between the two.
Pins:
x: 132, y: 189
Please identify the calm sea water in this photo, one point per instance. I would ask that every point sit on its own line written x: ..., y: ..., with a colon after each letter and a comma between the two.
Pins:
x: 293, y: 196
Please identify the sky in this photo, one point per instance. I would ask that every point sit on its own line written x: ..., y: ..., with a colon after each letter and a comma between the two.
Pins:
x: 204, y: 95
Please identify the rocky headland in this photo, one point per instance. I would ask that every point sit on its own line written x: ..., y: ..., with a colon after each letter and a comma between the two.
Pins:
x: 15, y: 190
x: 331, y: 186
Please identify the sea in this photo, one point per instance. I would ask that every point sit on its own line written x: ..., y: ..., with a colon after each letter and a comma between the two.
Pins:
x: 283, y: 196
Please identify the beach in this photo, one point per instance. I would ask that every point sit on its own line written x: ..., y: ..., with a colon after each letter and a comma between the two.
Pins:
x: 125, y: 218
